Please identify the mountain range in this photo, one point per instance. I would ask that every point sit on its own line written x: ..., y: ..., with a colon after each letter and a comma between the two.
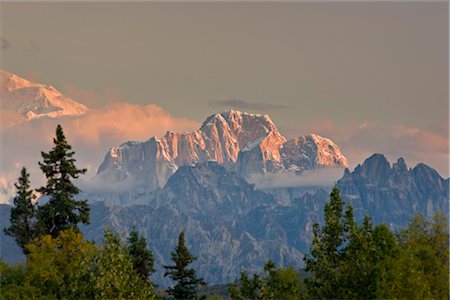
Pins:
x: 202, y: 182
x: 231, y: 226
x: 243, y: 143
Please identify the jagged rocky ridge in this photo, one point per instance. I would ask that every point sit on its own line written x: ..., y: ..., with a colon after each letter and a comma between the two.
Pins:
x: 393, y: 194
x: 231, y: 226
x: 241, y: 142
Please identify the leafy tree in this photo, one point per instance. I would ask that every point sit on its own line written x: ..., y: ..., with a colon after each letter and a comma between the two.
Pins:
x: 281, y: 283
x: 68, y: 267
x: 187, y: 281
x: 13, y: 283
x: 22, y: 217
x: 115, y: 277
x: 141, y: 256
x: 56, y: 266
x: 276, y: 283
x: 422, y: 270
x: 62, y: 211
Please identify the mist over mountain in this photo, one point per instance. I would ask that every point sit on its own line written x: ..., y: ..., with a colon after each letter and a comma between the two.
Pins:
x: 244, y: 143
x: 231, y: 225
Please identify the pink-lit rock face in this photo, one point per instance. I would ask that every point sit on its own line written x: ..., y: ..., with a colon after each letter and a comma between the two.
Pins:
x: 310, y: 152
x: 242, y: 142
x: 35, y: 100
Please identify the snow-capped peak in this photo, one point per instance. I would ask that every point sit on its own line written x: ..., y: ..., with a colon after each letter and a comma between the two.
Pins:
x: 35, y: 100
x: 243, y: 142
x: 312, y: 151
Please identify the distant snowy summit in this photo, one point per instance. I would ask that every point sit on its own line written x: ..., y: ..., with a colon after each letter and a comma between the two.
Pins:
x: 242, y: 142
x: 35, y: 100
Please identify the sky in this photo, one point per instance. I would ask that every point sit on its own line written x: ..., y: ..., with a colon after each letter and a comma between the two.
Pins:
x: 371, y: 76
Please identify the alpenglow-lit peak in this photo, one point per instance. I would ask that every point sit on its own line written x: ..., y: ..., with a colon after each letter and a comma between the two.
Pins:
x: 241, y: 142
x: 35, y: 100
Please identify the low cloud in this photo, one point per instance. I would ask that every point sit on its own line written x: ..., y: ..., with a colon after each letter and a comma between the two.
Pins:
x: 91, y: 136
x: 321, y: 177
x: 124, y: 121
x: 245, y: 105
x: 415, y: 145
x: 98, y: 184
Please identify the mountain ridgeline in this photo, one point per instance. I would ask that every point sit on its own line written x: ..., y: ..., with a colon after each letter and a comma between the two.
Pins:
x: 392, y: 195
x: 199, y: 182
x: 243, y: 143
x: 232, y: 226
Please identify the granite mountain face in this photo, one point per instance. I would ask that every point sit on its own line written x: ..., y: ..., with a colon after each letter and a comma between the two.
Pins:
x: 244, y: 143
x: 392, y: 194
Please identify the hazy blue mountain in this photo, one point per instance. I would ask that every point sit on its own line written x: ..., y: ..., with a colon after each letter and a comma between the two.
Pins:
x: 393, y: 194
x: 232, y: 226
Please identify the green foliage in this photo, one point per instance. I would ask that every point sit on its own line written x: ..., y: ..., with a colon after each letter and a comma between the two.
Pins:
x: 422, y: 270
x: 277, y: 283
x: 141, y: 256
x: 281, y: 283
x: 22, y: 217
x: 352, y: 261
x: 326, y: 257
x: 54, y: 265
x: 13, y: 284
x: 246, y: 288
x: 115, y: 277
x: 62, y: 211
x: 187, y: 281
x: 68, y: 267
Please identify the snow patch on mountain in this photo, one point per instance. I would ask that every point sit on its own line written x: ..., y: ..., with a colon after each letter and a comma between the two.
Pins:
x: 35, y: 100
x: 242, y: 142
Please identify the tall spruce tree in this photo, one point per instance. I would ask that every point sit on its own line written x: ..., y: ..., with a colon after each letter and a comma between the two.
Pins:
x: 22, y: 217
x: 187, y: 281
x: 141, y: 256
x: 327, y: 253
x: 62, y: 211
x: 350, y: 260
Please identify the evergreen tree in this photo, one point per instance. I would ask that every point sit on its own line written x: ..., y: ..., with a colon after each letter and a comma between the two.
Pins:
x: 246, y: 288
x: 22, y: 217
x: 141, y: 256
x: 62, y: 211
x: 187, y: 281
x: 327, y: 250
